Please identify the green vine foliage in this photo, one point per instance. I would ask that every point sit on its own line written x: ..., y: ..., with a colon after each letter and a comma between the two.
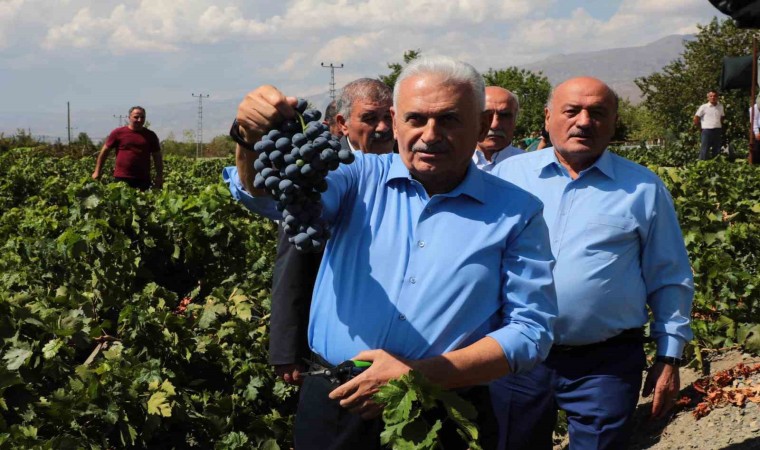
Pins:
x: 718, y: 206
x: 407, y: 401
x: 95, y: 351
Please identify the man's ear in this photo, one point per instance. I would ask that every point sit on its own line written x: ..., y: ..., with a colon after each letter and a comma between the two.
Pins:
x: 341, y: 121
x: 485, y: 124
x: 393, y: 121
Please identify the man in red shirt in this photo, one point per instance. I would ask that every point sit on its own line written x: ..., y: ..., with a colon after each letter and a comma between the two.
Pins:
x: 134, y: 146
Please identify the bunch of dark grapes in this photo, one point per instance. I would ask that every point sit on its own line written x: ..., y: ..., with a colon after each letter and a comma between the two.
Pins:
x: 293, y: 161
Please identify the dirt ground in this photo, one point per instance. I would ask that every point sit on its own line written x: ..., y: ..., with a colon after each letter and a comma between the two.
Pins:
x: 726, y: 428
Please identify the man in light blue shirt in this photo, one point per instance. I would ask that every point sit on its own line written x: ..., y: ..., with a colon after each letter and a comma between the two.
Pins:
x: 497, y: 145
x: 619, y: 250
x: 433, y: 265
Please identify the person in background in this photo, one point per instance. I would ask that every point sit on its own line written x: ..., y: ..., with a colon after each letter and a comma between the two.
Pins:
x: 754, y: 116
x: 329, y: 119
x: 546, y: 140
x: 364, y: 116
x: 135, y: 145
x: 619, y: 251
x: 503, y: 107
x: 710, y: 118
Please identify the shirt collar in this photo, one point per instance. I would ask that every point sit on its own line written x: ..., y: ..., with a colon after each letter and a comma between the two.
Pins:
x: 604, y: 164
x: 472, y: 186
x: 480, y: 157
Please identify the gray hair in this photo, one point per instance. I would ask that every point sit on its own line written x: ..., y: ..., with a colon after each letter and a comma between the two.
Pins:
x: 451, y: 70
x: 330, y: 113
x: 136, y: 107
x: 368, y: 89
x: 515, y: 99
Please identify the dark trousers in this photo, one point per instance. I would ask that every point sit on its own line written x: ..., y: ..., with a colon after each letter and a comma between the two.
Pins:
x: 136, y: 183
x: 711, y: 141
x: 322, y: 424
x: 597, y: 386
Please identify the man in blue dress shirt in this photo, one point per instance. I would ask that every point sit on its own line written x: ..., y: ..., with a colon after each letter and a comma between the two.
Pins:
x: 619, y: 250
x: 433, y: 265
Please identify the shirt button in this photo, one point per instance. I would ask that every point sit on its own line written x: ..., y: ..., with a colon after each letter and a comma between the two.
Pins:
x: 421, y: 243
x: 412, y: 280
x: 401, y: 317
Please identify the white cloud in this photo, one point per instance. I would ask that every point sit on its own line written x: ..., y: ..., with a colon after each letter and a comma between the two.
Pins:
x: 164, y: 25
x: 9, y: 9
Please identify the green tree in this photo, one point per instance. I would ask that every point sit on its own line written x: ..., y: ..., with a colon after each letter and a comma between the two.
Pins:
x: 222, y: 145
x: 674, y: 94
x: 637, y: 123
x: 532, y: 90
x: 396, y: 68
x: 83, y: 140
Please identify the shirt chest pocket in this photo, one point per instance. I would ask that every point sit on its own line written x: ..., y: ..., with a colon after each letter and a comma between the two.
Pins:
x: 610, y: 237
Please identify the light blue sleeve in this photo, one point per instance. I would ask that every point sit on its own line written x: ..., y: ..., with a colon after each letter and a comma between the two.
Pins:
x: 667, y: 274
x: 531, y: 301
x: 264, y: 206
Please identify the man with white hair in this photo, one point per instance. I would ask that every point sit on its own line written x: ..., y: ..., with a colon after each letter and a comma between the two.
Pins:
x: 497, y: 145
x: 433, y: 265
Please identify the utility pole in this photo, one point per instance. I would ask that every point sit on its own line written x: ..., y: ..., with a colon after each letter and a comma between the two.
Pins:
x: 68, y: 120
x: 121, y: 118
x: 199, y: 132
x: 332, y: 68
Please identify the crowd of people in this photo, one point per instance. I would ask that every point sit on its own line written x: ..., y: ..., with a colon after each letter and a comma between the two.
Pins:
x: 521, y: 280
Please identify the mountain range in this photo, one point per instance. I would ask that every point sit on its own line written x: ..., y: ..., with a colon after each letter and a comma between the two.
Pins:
x: 618, y: 67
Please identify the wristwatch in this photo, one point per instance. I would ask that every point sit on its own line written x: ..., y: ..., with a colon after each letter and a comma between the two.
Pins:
x: 235, y: 135
x: 673, y: 361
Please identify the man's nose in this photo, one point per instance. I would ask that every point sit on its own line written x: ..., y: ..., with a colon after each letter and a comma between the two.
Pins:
x: 583, y: 119
x: 495, y: 121
x: 383, y: 126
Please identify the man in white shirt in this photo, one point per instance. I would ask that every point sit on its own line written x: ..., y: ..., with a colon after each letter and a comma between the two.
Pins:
x: 710, y: 117
x: 497, y: 145
x: 755, y: 121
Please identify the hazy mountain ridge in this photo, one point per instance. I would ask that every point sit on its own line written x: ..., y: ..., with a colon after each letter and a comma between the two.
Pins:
x: 618, y: 67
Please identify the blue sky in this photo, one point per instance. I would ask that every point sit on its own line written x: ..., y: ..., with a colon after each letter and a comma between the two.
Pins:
x: 116, y: 53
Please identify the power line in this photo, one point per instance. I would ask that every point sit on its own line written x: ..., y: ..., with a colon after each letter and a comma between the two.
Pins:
x: 332, y: 68
x: 199, y: 131
x: 121, y: 121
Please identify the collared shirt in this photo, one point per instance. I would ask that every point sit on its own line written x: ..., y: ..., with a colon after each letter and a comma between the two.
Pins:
x: 483, y: 164
x: 756, y: 122
x: 710, y: 116
x: 419, y: 276
x: 618, y: 247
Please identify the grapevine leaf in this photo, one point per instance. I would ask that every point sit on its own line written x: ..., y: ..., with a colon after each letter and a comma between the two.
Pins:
x: 749, y: 337
x: 168, y: 388
x: 269, y: 444
x: 17, y: 357
x: 50, y: 349
x: 211, y: 310
x: 159, y: 405
x: 114, y: 351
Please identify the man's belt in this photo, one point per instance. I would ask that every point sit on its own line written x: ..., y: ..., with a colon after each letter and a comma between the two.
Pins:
x: 631, y: 335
